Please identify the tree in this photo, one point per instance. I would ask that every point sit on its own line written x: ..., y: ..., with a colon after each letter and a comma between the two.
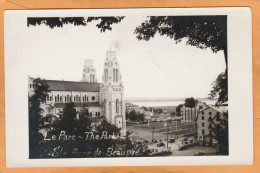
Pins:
x: 220, y: 89
x: 159, y: 111
x: 178, y: 110
x: 104, y: 22
x: 109, y: 128
x: 132, y: 116
x: 190, y: 102
x: 41, y: 90
x: 144, y: 108
x: 140, y: 117
x: 68, y: 119
x: 127, y: 115
x: 84, y: 123
x: 220, y: 133
x: 83, y: 113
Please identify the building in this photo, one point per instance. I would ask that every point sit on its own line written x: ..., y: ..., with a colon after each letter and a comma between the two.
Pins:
x: 132, y: 107
x: 89, y: 71
x: 207, y: 118
x: 201, y: 105
x: 188, y: 114
x: 101, y: 99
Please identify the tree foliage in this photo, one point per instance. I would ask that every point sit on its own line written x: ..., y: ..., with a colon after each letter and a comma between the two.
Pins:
x: 159, y: 111
x: 178, y: 110
x: 200, y: 31
x: 67, y: 122
x: 104, y: 22
x: 106, y: 126
x: 134, y: 116
x: 220, y: 133
x: 84, y: 123
x: 220, y: 89
x: 41, y: 90
x: 83, y: 113
x: 190, y: 102
x: 69, y: 112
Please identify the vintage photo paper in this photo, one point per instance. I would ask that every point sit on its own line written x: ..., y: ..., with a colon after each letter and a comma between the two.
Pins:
x: 114, y: 87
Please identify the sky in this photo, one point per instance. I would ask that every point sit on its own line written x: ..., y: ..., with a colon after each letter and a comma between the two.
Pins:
x: 158, y: 68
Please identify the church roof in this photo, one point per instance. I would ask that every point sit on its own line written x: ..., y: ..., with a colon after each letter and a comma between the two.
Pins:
x: 55, y: 85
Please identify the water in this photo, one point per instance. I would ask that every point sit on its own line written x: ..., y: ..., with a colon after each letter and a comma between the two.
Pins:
x: 165, y: 103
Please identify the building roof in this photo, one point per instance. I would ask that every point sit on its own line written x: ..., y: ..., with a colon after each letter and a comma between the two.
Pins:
x: 89, y: 104
x: 55, y: 85
x: 216, y: 109
x: 131, y: 104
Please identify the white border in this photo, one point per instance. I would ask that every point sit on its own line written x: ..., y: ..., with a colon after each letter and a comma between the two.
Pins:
x: 240, y: 90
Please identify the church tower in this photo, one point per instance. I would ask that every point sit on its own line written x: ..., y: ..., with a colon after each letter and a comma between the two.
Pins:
x: 112, y: 93
x: 89, y: 72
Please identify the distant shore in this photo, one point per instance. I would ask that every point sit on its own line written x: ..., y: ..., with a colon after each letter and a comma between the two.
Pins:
x: 163, y: 102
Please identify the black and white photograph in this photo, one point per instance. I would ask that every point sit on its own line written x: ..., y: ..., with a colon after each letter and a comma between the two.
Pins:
x: 107, y: 84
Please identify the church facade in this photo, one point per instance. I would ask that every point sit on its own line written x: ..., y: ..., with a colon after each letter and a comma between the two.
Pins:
x: 104, y: 99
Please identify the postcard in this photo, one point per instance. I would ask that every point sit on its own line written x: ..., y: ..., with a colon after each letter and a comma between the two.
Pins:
x: 114, y: 87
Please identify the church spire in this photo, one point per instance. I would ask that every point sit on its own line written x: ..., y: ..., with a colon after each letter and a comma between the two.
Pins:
x: 112, y: 92
x: 89, y: 72
x: 111, y: 69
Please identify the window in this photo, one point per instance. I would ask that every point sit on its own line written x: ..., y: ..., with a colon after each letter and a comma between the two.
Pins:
x: 50, y: 98
x: 96, y: 114
x: 202, y: 113
x: 116, y: 75
x: 202, y: 124
x: 117, y: 106
x: 200, y: 107
x: 203, y: 131
x: 210, y: 125
x: 93, y: 98
x: 202, y: 117
x: 106, y: 75
x: 55, y: 98
x: 90, y: 114
x: 210, y: 113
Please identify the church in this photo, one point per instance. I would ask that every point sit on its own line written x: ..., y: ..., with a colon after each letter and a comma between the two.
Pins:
x: 101, y: 99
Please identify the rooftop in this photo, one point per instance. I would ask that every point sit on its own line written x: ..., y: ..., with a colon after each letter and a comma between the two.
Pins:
x: 56, y: 85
